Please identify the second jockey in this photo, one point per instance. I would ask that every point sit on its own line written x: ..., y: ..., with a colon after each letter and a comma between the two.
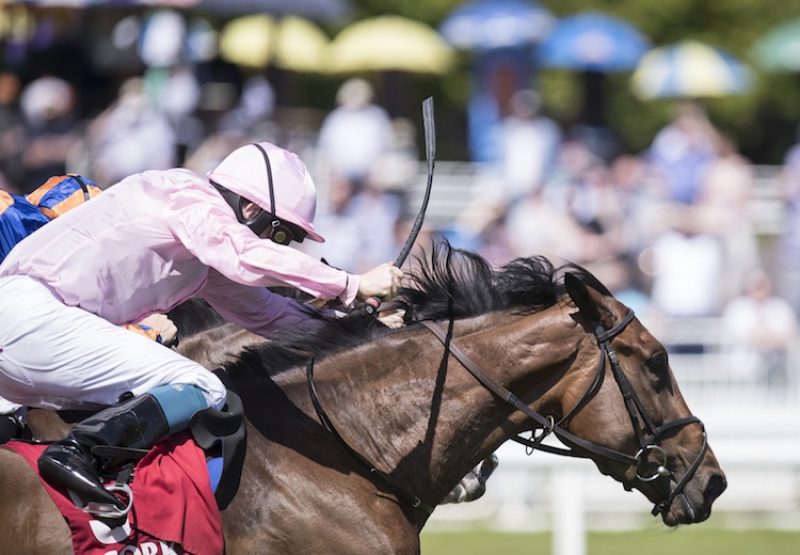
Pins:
x: 145, y: 245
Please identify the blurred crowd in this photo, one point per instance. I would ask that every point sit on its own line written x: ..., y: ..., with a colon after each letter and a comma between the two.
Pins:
x: 669, y: 230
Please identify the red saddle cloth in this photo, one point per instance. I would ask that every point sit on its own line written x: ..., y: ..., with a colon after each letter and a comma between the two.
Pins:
x: 174, y: 510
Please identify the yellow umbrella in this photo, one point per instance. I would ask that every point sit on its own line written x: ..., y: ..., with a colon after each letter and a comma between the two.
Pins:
x: 301, y: 45
x: 689, y: 69
x: 256, y: 40
x: 388, y: 43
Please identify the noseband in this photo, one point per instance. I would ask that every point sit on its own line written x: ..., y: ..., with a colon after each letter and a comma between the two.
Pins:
x: 649, y: 438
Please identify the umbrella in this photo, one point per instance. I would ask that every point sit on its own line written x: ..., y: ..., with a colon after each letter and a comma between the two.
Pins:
x: 255, y: 40
x: 593, y: 41
x: 319, y: 10
x: 388, y: 43
x: 490, y: 24
x: 779, y: 48
x: 690, y: 69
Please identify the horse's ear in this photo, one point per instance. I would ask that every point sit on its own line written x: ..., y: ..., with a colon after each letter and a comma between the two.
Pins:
x: 580, y: 295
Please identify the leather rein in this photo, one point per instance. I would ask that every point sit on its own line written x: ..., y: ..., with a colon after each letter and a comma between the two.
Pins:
x: 649, y: 439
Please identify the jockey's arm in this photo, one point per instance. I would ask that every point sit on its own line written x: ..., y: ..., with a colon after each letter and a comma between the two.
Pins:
x: 254, y: 308
x: 211, y: 233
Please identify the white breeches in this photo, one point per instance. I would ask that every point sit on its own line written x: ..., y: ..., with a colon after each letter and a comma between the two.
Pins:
x: 61, y: 357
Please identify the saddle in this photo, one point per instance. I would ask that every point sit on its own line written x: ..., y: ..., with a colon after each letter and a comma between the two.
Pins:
x: 222, y: 435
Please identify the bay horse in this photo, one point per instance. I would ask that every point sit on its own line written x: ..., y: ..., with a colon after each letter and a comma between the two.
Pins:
x: 355, y: 432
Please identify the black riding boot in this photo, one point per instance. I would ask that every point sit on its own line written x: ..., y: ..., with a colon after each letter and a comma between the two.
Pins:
x: 136, y: 423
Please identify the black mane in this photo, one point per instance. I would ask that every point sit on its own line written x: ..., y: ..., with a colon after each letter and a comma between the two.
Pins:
x: 450, y: 283
x: 194, y: 316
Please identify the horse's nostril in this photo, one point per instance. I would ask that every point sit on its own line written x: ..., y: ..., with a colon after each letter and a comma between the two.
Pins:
x: 715, y: 486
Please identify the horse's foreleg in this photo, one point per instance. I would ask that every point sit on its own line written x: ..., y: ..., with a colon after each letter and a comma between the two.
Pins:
x: 31, y: 524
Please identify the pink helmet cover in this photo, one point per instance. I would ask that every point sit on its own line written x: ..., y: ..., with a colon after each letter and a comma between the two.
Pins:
x: 244, y: 172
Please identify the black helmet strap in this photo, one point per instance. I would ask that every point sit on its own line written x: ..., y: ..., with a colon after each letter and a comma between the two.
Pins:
x: 265, y: 220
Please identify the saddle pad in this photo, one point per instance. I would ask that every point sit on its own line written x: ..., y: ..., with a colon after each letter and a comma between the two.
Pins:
x: 174, y: 510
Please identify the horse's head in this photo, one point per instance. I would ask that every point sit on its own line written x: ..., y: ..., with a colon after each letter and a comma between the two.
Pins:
x: 627, y: 413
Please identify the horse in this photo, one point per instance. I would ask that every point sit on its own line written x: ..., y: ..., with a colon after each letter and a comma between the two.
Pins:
x: 356, y: 432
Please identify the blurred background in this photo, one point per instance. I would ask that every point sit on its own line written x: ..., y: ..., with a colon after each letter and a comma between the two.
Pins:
x: 656, y: 143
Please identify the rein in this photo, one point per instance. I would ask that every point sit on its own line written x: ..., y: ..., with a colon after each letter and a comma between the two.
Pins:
x: 412, y: 501
x: 372, y: 306
x: 647, y: 443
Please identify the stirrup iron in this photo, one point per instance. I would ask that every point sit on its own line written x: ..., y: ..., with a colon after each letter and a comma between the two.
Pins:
x: 103, y: 510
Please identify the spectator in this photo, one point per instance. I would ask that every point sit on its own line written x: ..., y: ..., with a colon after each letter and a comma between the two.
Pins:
x: 377, y: 213
x: 341, y: 230
x: 533, y: 227
x: 50, y: 130
x: 687, y: 267
x: 623, y: 278
x: 723, y: 204
x: 130, y: 137
x: 788, y: 247
x: 256, y: 104
x: 761, y: 329
x: 354, y: 134
x: 529, y: 143
x: 682, y: 151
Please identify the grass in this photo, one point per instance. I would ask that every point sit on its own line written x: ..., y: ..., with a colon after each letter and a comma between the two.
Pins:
x: 684, y: 541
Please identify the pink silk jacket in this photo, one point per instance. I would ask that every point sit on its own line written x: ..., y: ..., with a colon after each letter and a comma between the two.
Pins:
x: 156, y: 239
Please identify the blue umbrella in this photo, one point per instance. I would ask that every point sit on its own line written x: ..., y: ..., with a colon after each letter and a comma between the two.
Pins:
x: 491, y: 24
x: 593, y: 41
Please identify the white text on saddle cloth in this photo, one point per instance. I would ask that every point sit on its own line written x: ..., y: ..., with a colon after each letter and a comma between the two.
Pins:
x: 145, y: 548
x: 118, y: 535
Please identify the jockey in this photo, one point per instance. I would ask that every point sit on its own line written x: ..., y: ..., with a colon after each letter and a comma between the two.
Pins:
x: 145, y: 245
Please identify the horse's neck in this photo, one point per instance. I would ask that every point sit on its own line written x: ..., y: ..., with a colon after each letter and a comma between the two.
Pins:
x: 428, y: 425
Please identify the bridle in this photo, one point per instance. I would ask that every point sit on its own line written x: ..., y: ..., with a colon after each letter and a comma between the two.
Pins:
x: 648, y: 439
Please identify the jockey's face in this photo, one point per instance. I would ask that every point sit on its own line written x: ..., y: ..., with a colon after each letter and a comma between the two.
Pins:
x: 283, y: 234
x: 250, y: 210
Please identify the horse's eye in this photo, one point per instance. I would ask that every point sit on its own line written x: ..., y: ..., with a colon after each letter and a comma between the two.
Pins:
x: 658, y: 364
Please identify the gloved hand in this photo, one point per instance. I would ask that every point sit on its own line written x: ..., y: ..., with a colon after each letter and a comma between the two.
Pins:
x: 164, y: 326
x: 381, y: 281
x: 392, y: 319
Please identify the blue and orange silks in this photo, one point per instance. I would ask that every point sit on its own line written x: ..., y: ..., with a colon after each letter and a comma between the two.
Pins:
x: 21, y: 216
x: 62, y: 193
x: 18, y: 219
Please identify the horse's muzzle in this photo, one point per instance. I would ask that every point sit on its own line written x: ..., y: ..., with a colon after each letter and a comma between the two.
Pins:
x: 694, y: 505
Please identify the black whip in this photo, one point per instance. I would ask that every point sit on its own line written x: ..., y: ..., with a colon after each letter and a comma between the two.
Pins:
x: 371, y: 305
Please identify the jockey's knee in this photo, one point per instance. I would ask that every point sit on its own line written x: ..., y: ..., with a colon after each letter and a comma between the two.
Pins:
x: 215, y: 392
x: 210, y: 386
x: 180, y: 402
